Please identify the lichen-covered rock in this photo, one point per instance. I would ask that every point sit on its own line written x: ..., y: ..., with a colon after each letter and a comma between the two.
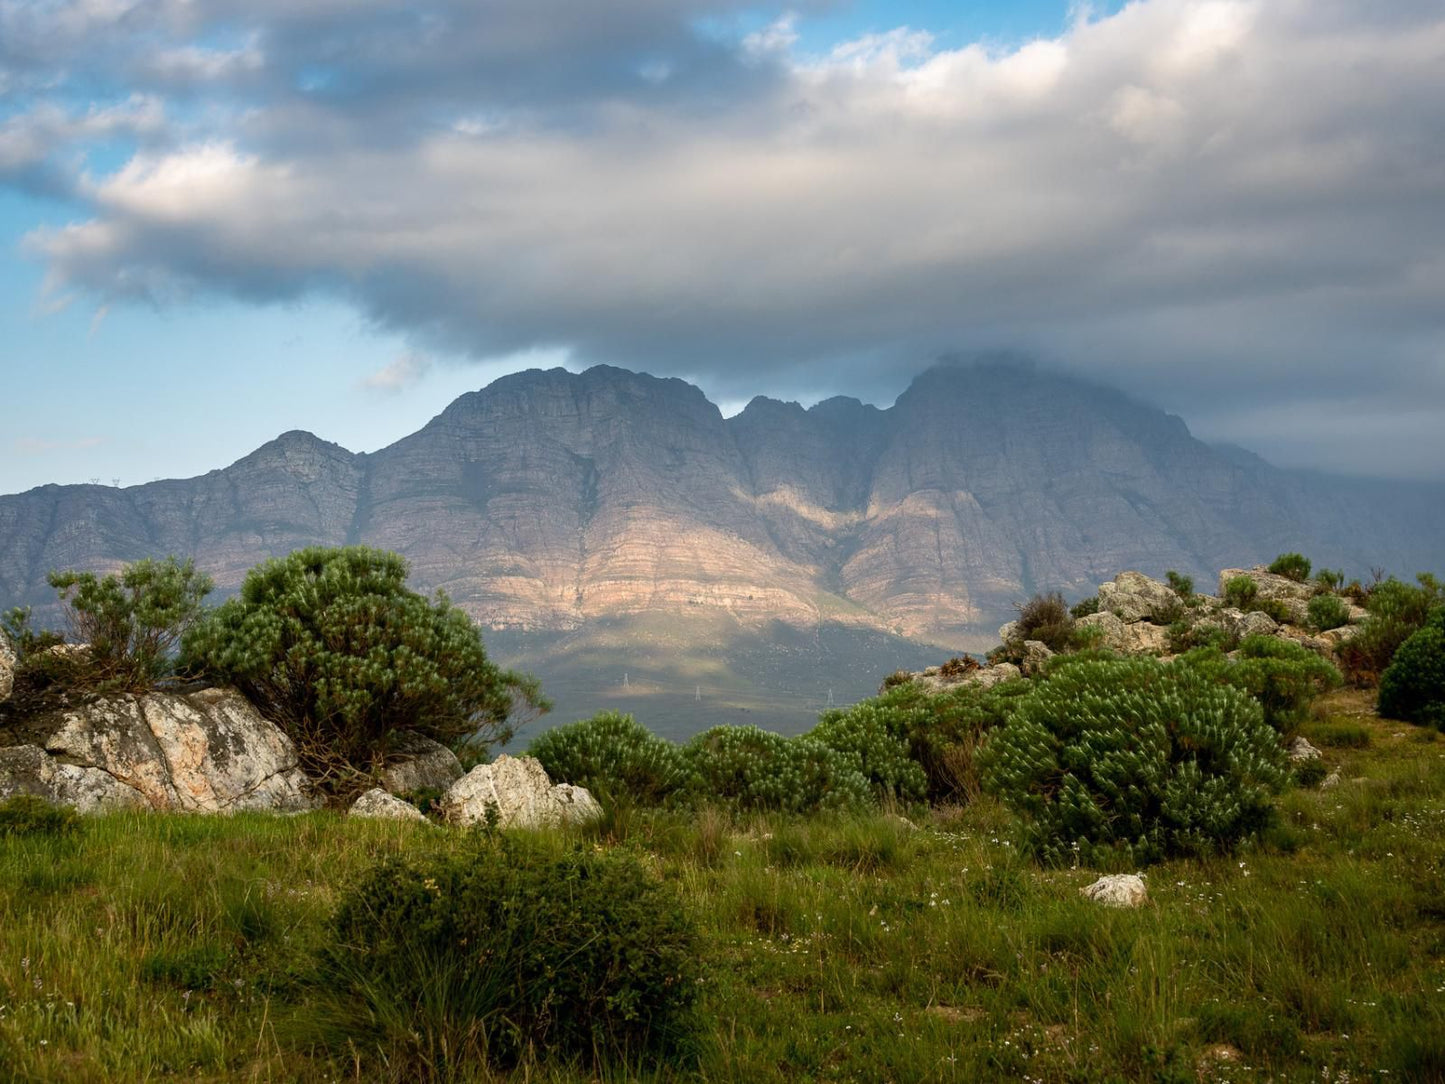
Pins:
x: 1142, y: 638
x: 28, y: 769
x: 1112, y: 635
x: 377, y: 804
x: 522, y: 793
x: 206, y: 752
x: 1255, y: 623
x: 1300, y: 751
x: 1292, y: 595
x: 1008, y: 633
x: 419, y: 764
x: 1133, y: 596
x: 1036, y: 656
x: 7, y: 667
x: 1117, y: 890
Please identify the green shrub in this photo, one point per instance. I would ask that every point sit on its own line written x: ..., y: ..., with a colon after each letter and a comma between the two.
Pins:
x: 1123, y: 762
x: 873, y: 735
x: 1085, y: 607
x: 1283, y: 676
x: 332, y: 646
x: 1328, y: 612
x: 893, y: 680
x: 1046, y: 618
x: 1181, y: 585
x: 1396, y: 611
x: 1292, y: 566
x: 1413, y: 685
x: 27, y: 815
x: 1329, y: 579
x: 1274, y: 608
x: 1240, y: 592
x: 512, y: 949
x: 133, y: 620
x: 746, y: 768
x: 615, y: 757
x: 1309, y: 773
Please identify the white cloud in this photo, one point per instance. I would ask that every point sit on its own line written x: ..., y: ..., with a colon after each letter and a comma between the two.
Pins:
x: 406, y: 371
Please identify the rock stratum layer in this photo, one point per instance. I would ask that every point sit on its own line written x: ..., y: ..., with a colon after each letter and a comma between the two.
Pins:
x: 550, y: 499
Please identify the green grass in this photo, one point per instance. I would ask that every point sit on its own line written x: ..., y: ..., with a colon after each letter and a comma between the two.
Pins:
x: 152, y: 947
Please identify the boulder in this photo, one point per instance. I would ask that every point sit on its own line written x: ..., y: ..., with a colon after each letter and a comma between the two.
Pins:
x: 377, y: 804
x: 1300, y: 751
x: 7, y: 667
x: 1342, y: 635
x: 206, y: 752
x: 1254, y: 623
x: 28, y: 769
x: 1113, y: 636
x: 989, y: 676
x: 419, y: 764
x: 1008, y: 633
x: 1133, y: 596
x: 522, y: 793
x: 1295, y: 597
x: 1117, y: 890
x: 1142, y: 638
x: 1331, y: 781
x: 1036, y: 655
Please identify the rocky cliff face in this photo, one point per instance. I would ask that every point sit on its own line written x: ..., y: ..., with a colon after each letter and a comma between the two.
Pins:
x: 550, y: 499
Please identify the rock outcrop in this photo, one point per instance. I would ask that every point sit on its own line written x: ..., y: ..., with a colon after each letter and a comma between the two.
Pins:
x: 1292, y: 595
x: 377, y: 804
x: 1133, y: 596
x: 418, y: 763
x: 522, y: 794
x: 7, y: 667
x: 206, y: 752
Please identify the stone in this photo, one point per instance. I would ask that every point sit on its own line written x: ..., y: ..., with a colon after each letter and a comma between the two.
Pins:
x: 419, y: 764
x: 1300, y: 751
x: 1007, y: 633
x: 1133, y: 596
x: 989, y: 676
x: 1295, y: 597
x: 522, y: 793
x: 1342, y: 635
x: 1255, y: 624
x: 8, y: 663
x: 1113, y: 636
x: 1332, y: 780
x: 1143, y: 638
x: 1117, y: 890
x: 28, y: 769
x: 1036, y: 656
x: 377, y: 804
x: 206, y: 752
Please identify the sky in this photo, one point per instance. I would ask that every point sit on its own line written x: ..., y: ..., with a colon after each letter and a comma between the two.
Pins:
x: 220, y: 220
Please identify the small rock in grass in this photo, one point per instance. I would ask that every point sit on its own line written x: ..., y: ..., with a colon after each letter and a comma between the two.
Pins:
x: 377, y: 804
x: 1301, y: 750
x: 1117, y: 890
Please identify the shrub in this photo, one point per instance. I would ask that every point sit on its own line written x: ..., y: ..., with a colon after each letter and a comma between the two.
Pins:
x: 1329, y: 580
x: 1123, y: 762
x: 615, y: 757
x: 331, y: 645
x: 27, y: 815
x: 1283, y: 676
x: 1328, y: 612
x: 1046, y: 618
x: 873, y: 735
x: 958, y: 666
x: 492, y: 954
x: 893, y: 680
x: 1413, y: 685
x: 1181, y: 585
x: 132, y: 620
x: 1274, y: 608
x: 1085, y: 607
x: 1396, y: 611
x: 746, y: 768
x: 1240, y: 592
x: 1292, y: 566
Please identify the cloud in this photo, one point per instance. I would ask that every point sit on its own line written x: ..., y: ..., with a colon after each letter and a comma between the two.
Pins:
x: 39, y: 446
x: 401, y: 374
x: 1222, y: 204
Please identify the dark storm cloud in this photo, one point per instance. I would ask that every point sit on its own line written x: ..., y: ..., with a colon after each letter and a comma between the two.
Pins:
x: 1229, y: 206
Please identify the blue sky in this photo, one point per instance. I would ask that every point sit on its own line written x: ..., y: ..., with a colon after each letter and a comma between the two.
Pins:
x: 249, y: 218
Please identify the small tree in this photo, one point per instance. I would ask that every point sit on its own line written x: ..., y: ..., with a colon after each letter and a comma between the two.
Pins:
x: 1292, y: 566
x: 1180, y: 584
x: 331, y: 645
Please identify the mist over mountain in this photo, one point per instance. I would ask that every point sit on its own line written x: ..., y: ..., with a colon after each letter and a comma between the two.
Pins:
x: 550, y: 500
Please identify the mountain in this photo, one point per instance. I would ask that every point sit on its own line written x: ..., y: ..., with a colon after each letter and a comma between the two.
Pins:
x: 550, y: 502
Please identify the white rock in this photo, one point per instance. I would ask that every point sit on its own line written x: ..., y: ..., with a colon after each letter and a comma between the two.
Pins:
x: 1331, y: 780
x: 7, y: 667
x: 1133, y: 596
x: 27, y: 769
x: 377, y: 804
x: 419, y: 764
x: 1036, y: 655
x: 1295, y: 597
x: 1008, y: 632
x: 1112, y: 635
x: 1300, y: 750
x: 1142, y: 638
x: 1117, y: 890
x: 521, y: 792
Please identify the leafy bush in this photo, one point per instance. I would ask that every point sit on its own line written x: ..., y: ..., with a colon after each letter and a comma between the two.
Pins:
x: 1274, y: 608
x: 615, y: 757
x: 1046, y: 618
x: 1283, y: 676
x: 1413, y: 685
x: 873, y: 735
x: 133, y: 620
x: 898, y: 677
x: 331, y: 645
x: 1396, y: 611
x: 512, y: 949
x: 1329, y: 579
x: 746, y: 768
x: 1123, y: 762
x: 1292, y: 566
x: 1085, y: 607
x: 1181, y: 585
x: 1240, y: 592
x: 1328, y: 612
x: 27, y: 815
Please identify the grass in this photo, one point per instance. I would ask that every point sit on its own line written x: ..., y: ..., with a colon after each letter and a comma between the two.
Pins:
x: 151, y: 947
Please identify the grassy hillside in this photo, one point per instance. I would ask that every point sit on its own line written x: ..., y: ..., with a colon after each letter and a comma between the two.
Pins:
x: 163, y: 946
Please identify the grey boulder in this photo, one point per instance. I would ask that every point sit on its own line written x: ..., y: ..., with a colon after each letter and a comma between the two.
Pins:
x: 522, y: 794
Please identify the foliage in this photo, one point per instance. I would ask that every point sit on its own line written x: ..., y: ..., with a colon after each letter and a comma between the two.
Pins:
x: 27, y: 815
x: 1413, y: 685
x: 332, y: 645
x: 26, y: 641
x: 1395, y: 611
x: 1184, y: 636
x: 1274, y: 608
x: 745, y: 768
x: 1085, y: 606
x: 1124, y: 762
x: 615, y: 757
x: 1046, y: 618
x: 1283, y: 676
x: 514, y: 951
x: 132, y: 621
x: 1329, y: 579
x: 898, y: 677
x: 1328, y: 612
x: 873, y: 735
x: 1240, y: 592
x: 958, y: 666
x: 1292, y: 566
x: 1181, y: 585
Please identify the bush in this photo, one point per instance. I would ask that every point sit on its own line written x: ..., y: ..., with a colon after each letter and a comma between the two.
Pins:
x: 1240, y: 592
x: 1283, y: 676
x: 1046, y: 618
x: 332, y: 646
x: 1274, y: 608
x: 746, y: 768
x: 1396, y: 611
x: 1328, y: 612
x: 1181, y: 585
x: 133, y: 620
x: 1413, y: 685
x: 1292, y: 566
x: 1329, y: 580
x: 1085, y: 607
x: 615, y: 757
x: 873, y: 735
x: 512, y: 950
x: 27, y: 815
x: 893, y: 680
x: 1124, y: 762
